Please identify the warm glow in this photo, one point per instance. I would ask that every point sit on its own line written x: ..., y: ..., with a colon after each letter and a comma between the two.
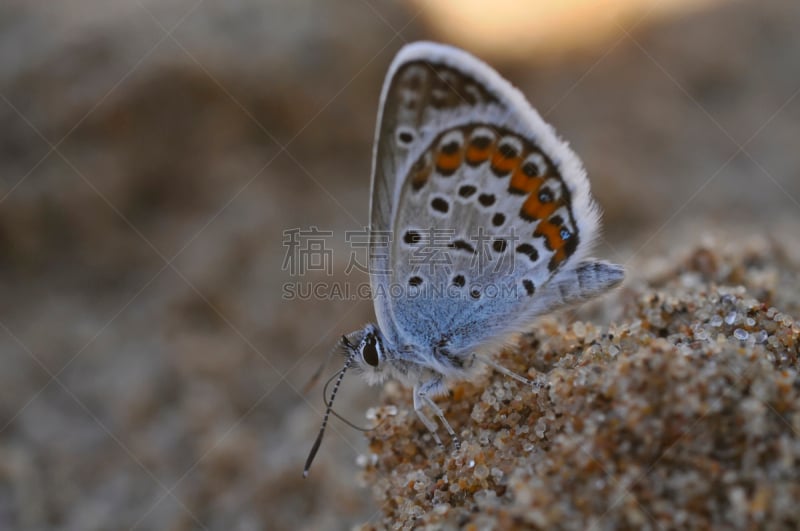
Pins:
x: 516, y: 28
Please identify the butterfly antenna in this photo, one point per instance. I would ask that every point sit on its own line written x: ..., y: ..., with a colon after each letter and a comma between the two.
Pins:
x: 333, y: 412
x: 328, y: 409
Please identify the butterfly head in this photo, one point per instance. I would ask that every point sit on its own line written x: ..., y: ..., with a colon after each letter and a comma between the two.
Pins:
x: 364, y: 351
x: 367, y: 352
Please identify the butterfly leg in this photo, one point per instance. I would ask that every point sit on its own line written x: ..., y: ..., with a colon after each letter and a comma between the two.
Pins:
x: 506, y: 372
x: 422, y: 397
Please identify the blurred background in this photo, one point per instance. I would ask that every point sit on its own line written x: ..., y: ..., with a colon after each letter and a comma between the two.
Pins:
x: 153, y: 153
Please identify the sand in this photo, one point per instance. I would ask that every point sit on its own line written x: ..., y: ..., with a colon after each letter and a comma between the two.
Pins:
x: 684, y: 412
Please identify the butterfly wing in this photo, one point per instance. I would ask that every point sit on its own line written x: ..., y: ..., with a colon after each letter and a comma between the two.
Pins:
x: 489, y: 210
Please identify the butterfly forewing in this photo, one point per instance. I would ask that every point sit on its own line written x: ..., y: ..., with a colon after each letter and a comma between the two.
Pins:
x: 416, y: 95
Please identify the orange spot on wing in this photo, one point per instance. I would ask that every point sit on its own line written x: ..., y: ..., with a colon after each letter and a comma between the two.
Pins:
x: 551, y: 233
x: 448, y: 162
x: 535, y: 209
x: 476, y: 155
x: 420, y: 175
x: 501, y: 164
x: 522, y: 183
x: 559, y: 256
x: 562, y: 248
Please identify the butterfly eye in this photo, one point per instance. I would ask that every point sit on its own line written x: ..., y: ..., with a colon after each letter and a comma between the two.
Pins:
x: 369, y: 352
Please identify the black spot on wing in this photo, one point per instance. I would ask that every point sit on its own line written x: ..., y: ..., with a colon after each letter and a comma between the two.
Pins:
x: 412, y: 237
x: 440, y: 205
x: 529, y: 251
x: 467, y: 190
x: 486, y: 200
x: 499, y: 245
x: 462, y: 245
x: 530, y: 288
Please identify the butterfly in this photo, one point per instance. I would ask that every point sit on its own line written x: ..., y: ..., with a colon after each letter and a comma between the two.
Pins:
x: 481, y: 219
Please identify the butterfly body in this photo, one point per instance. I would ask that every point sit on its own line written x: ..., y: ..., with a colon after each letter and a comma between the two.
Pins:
x: 486, y: 221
